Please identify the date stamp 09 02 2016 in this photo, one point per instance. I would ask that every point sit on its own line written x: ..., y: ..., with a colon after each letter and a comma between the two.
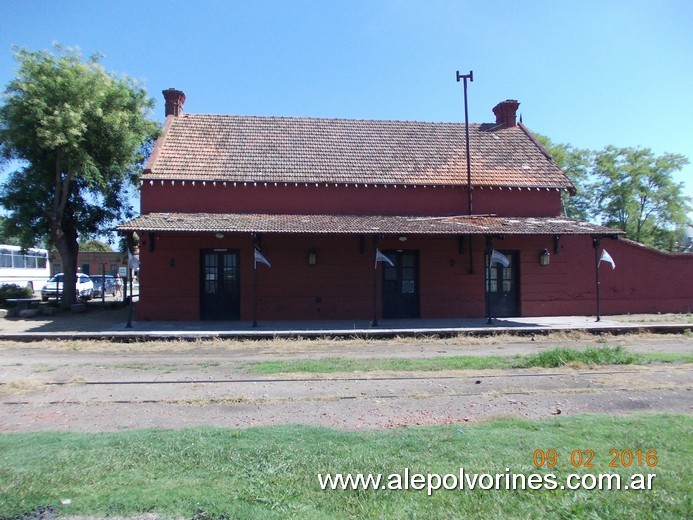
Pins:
x: 585, y: 458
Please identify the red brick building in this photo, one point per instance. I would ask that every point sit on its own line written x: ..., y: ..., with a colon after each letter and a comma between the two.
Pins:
x: 319, y: 197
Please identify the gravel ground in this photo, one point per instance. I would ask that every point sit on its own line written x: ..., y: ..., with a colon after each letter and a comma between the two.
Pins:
x: 98, y: 386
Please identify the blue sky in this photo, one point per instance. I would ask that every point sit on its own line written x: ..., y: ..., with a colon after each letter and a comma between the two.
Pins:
x: 588, y: 73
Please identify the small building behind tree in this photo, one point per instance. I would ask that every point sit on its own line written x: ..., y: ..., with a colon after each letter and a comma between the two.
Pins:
x: 93, y: 262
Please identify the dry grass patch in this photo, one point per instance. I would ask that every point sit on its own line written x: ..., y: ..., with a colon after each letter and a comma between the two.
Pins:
x: 655, y: 318
x: 21, y: 386
x: 299, y: 345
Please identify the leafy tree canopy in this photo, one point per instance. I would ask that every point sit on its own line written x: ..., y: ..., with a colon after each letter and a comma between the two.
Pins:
x: 6, y: 237
x: 628, y: 188
x: 636, y: 193
x: 80, y: 135
x: 95, y: 246
x: 576, y: 163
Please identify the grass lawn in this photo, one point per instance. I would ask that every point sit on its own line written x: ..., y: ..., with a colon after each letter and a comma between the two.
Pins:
x: 552, y: 358
x: 271, y: 472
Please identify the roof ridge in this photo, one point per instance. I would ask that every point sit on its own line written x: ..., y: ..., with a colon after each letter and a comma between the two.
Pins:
x: 327, y: 119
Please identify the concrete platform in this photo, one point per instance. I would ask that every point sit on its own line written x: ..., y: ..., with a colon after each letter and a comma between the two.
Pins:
x: 114, y: 327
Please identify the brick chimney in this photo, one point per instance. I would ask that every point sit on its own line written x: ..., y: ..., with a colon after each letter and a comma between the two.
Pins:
x: 174, y: 101
x: 505, y: 112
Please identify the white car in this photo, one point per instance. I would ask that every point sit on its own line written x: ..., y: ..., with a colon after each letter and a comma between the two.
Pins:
x: 54, y: 287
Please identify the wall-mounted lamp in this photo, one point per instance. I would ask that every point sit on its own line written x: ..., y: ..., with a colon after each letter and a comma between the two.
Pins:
x: 219, y: 235
x: 312, y: 258
x: 402, y: 239
x: 545, y: 257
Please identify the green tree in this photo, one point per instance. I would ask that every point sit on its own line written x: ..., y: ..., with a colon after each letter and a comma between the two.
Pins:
x: 95, y: 246
x: 576, y: 163
x: 636, y: 193
x: 6, y: 236
x: 80, y: 134
x: 628, y: 188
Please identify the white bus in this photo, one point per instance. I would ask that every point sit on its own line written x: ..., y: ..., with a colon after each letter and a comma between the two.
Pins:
x: 28, y: 268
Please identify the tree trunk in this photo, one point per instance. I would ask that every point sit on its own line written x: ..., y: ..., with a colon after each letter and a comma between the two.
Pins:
x: 67, y: 246
x: 65, y: 240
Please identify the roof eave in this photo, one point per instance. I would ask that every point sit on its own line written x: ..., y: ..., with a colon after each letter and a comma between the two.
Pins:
x: 569, y: 186
x: 205, y: 223
x: 151, y: 161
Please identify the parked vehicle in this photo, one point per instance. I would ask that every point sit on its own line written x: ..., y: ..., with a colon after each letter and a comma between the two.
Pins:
x: 26, y: 268
x: 54, y: 287
x: 108, y: 282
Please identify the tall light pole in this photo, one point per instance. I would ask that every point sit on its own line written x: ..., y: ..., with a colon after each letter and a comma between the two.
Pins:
x: 469, y: 77
x: 596, y: 242
x: 466, y: 77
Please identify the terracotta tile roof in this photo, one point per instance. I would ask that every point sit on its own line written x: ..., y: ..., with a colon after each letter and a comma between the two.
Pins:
x: 280, y: 149
x: 361, y: 224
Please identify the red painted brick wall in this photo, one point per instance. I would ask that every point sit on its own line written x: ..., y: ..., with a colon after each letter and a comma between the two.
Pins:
x: 344, y: 200
x: 340, y: 286
x: 645, y: 280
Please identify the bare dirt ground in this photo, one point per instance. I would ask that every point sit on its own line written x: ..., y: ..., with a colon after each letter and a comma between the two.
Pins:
x: 99, y: 386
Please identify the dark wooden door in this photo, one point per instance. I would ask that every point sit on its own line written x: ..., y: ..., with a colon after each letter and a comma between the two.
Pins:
x: 220, y: 285
x: 401, y: 285
x: 503, y: 291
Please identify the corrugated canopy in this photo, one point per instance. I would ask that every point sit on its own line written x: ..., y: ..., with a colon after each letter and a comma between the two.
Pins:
x: 281, y: 149
x: 361, y: 224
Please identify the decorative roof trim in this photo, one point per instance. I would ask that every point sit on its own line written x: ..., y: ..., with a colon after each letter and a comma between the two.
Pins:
x: 153, y: 181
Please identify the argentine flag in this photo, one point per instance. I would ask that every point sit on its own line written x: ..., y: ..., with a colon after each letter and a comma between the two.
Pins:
x: 606, y: 257
x: 133, y: 261
x: 259, y: 257
x: 499, y: 258
x: 380, y: 257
